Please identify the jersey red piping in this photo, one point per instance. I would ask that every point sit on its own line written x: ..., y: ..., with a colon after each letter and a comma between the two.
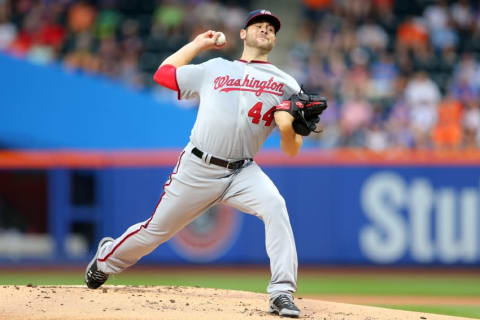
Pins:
x: 145, y: 226
x: 253, y: 61
x: 176, y: 82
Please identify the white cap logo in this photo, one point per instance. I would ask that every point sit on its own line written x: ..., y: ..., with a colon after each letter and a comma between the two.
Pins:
x: 265, y: 12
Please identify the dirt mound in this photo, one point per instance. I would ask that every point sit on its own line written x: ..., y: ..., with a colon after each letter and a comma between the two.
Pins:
x: 183, y: 303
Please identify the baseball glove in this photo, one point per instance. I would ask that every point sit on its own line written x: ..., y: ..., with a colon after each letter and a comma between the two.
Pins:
x: 305, y: 109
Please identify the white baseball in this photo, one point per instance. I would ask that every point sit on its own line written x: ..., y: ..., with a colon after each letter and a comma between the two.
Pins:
x: 221, y: 39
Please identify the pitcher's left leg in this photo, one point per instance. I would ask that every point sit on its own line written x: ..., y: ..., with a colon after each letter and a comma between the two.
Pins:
x: 253, y: 192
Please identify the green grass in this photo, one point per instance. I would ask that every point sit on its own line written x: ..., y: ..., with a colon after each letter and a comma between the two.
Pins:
x: 256, y: 283
x: 391, y: 285
x: 433, y: 285
x: 458, y: 311
x: 308, y: 284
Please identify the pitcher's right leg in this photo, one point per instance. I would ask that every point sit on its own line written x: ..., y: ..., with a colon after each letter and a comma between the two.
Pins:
x: 190, y: 190
x: 253, y: 192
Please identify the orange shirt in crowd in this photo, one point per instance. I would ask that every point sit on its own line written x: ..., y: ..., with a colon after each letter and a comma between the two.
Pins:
x: 81, y: 17
x: 412, y: 34
x: 448, y: 129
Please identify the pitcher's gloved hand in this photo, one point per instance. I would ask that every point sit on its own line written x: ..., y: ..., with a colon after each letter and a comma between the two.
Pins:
x: 305, y: 109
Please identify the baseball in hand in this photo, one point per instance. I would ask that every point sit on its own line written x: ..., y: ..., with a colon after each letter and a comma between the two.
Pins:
x: 221, y: 39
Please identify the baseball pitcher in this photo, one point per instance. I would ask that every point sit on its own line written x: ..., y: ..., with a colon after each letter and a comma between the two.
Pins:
x: 241, y: 102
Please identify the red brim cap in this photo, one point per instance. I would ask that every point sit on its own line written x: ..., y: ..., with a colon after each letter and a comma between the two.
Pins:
x: 263, y: 14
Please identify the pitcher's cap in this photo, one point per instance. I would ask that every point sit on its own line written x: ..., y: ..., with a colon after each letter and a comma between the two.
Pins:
x: 263, y: 14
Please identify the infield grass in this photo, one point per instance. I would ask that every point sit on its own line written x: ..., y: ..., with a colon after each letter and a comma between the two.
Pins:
x: 382, y: 284
x: 308, y: 284
x: 457, y: 311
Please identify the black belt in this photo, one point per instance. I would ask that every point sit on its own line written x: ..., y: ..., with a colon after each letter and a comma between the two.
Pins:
x: 220, y: 162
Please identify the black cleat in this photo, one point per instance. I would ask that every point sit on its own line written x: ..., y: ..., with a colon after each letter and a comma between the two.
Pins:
x: 283, y: 305
x: 94, y: 278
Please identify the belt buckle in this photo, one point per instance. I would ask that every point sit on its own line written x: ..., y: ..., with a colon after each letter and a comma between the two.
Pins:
x: 234, y: 165
x: 230, y: 165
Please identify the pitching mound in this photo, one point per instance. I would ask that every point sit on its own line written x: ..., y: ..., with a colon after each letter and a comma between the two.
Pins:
x: 183, y: 303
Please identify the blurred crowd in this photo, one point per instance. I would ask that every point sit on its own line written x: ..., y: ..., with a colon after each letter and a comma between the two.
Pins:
x: 398, y: 74
x: 122, y: 39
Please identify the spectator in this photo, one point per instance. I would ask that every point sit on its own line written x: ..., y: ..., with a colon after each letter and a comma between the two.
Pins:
x: 471, y: 125
x: 169, y: 15
x: 382, y: 13
x: 462, y: 17
x: 81, y: 17
x: 208, y: 14
x: 465, y: 84
x: 80, y: 57
x: 8, y: 30
x: 382, y: 78
x: 49, y: 35
x: 107, y: 21
x: 330, y: 135
x: 376, y: 137
x: 425, y: 59
x: 398, y: 121
x: 444, y: 37
x: 234, y: 17
x: 436, y: 15
x: 447, y: 133
x: 109, y: 54
x: 422, y: 96
x: 412, y: 34
x: 356, y: 114
x: 25, y: 37
x: 356, y: 79
x: 372, y: 36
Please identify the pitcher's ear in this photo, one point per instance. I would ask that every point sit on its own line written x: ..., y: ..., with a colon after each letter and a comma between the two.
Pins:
x: 243, y: 34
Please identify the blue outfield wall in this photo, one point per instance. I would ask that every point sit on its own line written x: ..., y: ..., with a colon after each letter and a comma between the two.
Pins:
x: 45, y: 107
x: 346, y: 215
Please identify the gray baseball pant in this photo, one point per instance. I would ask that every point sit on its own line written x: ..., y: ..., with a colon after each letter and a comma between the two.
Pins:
x: 193, y: 187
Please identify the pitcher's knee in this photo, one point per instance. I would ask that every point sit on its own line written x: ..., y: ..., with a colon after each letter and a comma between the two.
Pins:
x: 275, y: 208
x: 157, y: 234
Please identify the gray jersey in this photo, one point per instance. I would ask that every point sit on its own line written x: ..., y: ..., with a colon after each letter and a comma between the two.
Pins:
x: 236, y: 102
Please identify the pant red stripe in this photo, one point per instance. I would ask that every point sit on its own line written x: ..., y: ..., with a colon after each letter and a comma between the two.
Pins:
x: 148, y: 221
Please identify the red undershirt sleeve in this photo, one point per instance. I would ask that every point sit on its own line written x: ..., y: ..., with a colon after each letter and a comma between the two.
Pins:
x: 166, y: 76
